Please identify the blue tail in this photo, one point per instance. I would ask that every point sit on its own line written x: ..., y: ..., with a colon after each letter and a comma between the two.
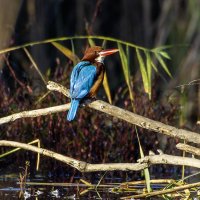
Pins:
x: 73, y: 109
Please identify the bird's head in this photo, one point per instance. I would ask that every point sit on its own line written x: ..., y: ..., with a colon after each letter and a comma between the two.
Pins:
x: 97, y: 54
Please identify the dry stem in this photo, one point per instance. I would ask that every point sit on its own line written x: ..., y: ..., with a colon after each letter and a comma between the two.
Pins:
x: 165, y: 191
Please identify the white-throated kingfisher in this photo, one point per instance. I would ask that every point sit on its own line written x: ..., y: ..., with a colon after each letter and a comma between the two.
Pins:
x: 87, y: 76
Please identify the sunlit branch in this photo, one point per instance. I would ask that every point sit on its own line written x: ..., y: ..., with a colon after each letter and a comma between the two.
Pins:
x: 114, y: 111
x: 88, y: 167
x: 188, y: 148
x: 34, y: 113
x: 133, y: 118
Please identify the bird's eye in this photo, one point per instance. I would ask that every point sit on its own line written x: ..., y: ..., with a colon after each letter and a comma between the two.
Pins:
x: 96, y: 53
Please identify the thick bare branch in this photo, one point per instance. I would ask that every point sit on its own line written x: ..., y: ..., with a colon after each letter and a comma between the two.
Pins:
x: 79, y: 165
x: 111, y: 110
x: 170, y: 160
x: 188, y: 148
x: 34, y: 113
x: 133, y: 118
x: 87, y: 167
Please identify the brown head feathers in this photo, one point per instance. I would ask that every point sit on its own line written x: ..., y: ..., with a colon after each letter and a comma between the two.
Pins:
x: 91, y: 53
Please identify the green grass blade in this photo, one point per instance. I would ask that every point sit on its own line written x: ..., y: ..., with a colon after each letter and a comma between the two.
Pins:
x: 130, y: 83
x: 17, y: 149
x: 162, y: 48
x: 82, y: 37
x: 143, y: 71
x: 165, y: 55
x: 91, y: 42
x: 154, y: 66
x: 146, y: 171
x: 163, y: 64
x: 73, y: 51
x: 104, y: 44
x: 124, y: 62
x: 149, y: 71
x: 47, y: 41
x: 128, y: 59
x: 67, y: 52
x: 107, y: 88
x: 35, y: 65
x: 125, y: 67
x: 72, y: 44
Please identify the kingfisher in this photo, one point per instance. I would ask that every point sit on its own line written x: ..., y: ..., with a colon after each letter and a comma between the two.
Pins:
x: 87, y: 76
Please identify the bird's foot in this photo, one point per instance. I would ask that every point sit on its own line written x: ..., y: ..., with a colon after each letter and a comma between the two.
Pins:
x: 88, y: 100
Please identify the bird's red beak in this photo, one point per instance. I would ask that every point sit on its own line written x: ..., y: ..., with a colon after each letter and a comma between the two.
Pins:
x: 108, y: 52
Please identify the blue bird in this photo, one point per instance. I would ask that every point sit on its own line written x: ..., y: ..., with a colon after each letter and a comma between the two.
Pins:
x: 86, y: 77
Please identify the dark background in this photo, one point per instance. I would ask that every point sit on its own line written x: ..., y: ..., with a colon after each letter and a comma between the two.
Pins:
x: 149, y: 23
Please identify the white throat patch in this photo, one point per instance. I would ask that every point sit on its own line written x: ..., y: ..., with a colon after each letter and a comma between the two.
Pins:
x: 100, y: 59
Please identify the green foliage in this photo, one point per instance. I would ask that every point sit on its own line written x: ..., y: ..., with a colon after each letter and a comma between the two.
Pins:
x: 143, y: 71
x: 149, y: 71
x: 125, y: 66
x: 144, y: 56
x: 163, y: 64
x: 91, y: 42
x: 107, y: 88
x: 67, y: 52
x: 146, y: 171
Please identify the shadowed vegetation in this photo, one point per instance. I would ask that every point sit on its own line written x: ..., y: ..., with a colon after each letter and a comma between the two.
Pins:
x: 157, y: 78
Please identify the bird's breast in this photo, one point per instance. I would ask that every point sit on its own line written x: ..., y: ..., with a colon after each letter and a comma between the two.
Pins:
x: 98, y: 80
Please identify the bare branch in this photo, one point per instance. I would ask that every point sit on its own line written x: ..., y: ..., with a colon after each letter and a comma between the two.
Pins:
x: 188, y: 148
x: 170, y: 160
x: 111, y: 110
x: 133, y: 118
x: 34, y: 113
x: 87, y: 167
x: 79, y: 165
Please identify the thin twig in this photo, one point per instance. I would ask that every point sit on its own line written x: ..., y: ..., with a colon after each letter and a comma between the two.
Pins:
x: 13, y: 73
x: 194, y: 82
x: 166, y: 191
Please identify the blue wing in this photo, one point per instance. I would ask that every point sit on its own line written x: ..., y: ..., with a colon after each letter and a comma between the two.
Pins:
x: 82, y: 79
x: 75, y: 72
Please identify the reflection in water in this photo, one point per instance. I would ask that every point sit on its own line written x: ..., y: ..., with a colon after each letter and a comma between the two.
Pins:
x: 45, y: 187
x: 10, y: 189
